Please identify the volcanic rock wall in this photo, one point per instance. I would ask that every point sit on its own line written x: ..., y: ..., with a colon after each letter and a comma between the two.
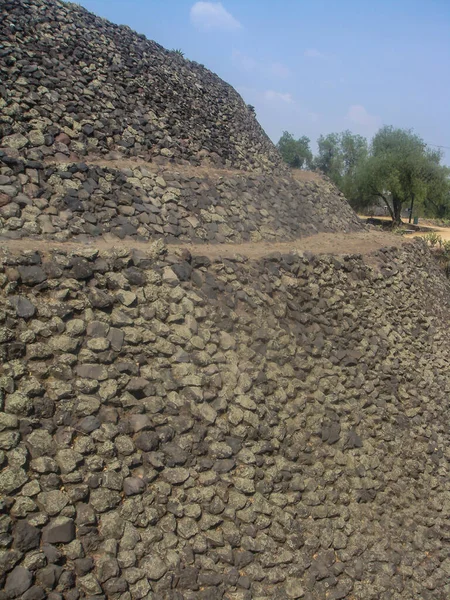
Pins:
x: 71, y: 200
x: 181, y: 430
x: 173, y: 428
x: 103, y: 131
x: 71, y: 82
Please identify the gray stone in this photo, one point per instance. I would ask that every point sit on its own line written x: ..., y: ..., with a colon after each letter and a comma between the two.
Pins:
x: 176, y: 475
x: 53, y: 501
x: 24, y: 308
x: 112, y: 525
x: 12, y: 479
x: 133, y: 486
x: 92, y: 371
x: 89, y: 585
x: 88, y: 424
x: 40, y: 443
x: 32, y: 275
x: 147, y: 441
x: 26, y: 537
x: 17, y: 582
x: 59, y: 531
x: 294, y: 588
x: 104, y: 499
x: 18, y: 404
x: 16, y: 140
x: 154, y: 567
x: 34, y: 593
x: 100, y: 299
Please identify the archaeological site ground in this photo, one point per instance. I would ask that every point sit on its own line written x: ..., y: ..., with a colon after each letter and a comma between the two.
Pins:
x: 215, y: 381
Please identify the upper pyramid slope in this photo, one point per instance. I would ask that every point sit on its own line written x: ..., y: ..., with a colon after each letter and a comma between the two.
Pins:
x: 72, y: 79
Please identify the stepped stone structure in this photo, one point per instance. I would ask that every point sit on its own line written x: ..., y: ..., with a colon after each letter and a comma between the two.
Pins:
x: 71, y: 80
x: 63, y: 201
x: 100, y: 131
x: 186, y: 425
x: 181, y: 429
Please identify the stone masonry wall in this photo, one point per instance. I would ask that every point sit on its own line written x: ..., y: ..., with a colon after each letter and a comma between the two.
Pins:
x: 179, y: 430
x: 72, y: 83
x: 71, y: 200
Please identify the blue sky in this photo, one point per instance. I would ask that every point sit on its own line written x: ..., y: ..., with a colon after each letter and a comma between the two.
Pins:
x: 317, y: 66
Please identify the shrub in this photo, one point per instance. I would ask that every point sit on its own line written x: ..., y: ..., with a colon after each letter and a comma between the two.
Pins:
x: 446, y: 248
x: 433, y: 239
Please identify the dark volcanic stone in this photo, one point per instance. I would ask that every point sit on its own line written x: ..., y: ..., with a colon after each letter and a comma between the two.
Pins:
x: 133, y: 485
x: 100, y: 299
x: 89, y: 424
x: 147, y: 441
x: 34, y: 593
x: 74, y: 204
x: 353, y: 440
x: 32, y: 275
x: 48, y: 576
x: 135, y: 276
x: 52, y: 553
x: 224, y: 465
x: 182, y: 271
x: 81, y: 268
x: 26, y: 536
x: 24, y: 308
x: 200, y: 261
x: 116, y: 585
x: 84, y: 565
x: 59, y: 531
x: 17, y: 582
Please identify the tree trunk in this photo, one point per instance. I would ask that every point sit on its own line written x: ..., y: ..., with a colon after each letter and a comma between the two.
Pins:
x: 397, y: 205
x: 386, y: 201
x: 411, y: 208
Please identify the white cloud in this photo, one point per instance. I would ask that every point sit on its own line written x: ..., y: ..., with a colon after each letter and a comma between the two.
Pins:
x: 359, y: 116
x: 245, y: 62
x: 314, y: 53
x: 279, y: 70
x: 213, y: 15
x: 272, y: 96
x: 314, y: 117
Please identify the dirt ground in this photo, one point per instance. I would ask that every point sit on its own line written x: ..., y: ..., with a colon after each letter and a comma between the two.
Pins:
x: 363, y: 242
x: 301, y: 175
x: 444, y: 232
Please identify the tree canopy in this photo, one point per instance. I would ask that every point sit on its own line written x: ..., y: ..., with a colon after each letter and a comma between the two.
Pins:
x: 400, y: 170
x: 397, y: 169
x: 339, y: 155
x: 296, y: 153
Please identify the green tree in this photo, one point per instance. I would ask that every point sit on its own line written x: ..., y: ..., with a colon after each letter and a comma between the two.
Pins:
x: 437, y: 200
x: 339, y: 155
x: 354, y: 150
x: 329, y: 158
x: 296, y: 153
x: 399, y: 170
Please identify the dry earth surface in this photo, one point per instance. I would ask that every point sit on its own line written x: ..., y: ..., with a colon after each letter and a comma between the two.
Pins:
x: 363, y: 243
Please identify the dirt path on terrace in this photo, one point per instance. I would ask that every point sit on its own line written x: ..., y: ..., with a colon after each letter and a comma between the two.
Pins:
x: 444, y: 232
x: 158, y: 166
x: 362, y: 242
